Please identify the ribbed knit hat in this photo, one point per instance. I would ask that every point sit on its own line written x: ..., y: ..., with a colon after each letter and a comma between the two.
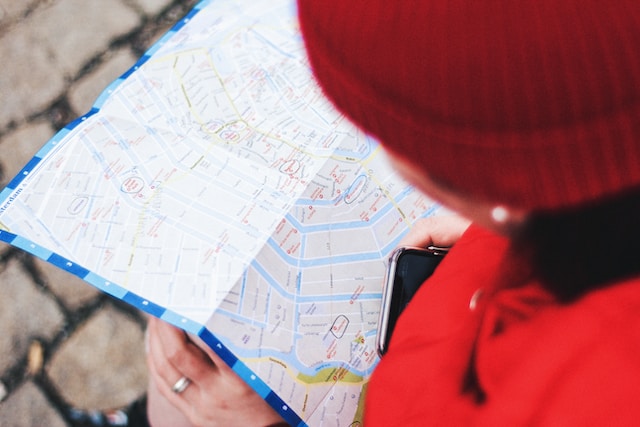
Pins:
x: 530, y: 103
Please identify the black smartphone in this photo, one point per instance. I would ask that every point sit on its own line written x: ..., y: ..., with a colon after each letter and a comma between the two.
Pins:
x: 408, y: 268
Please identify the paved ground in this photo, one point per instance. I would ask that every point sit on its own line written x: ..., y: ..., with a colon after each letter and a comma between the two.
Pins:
x: 62, y: 343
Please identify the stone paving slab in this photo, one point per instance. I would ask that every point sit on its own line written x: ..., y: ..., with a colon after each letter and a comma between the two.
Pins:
x: 63, y: 343
x: 31, y: 82
x: 26, y: 312
x: 28, y: 406
x: 93, y: 25
x: 12, y: 10
x: 108, y: 338
x: 20, y: 145
x: 87, y: 89
x: 71, y: 291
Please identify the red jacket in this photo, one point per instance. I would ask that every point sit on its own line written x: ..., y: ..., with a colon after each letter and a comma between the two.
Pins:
x: 472, y: 350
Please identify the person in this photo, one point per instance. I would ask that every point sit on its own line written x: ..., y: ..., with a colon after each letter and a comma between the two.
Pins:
x: 524, y: 118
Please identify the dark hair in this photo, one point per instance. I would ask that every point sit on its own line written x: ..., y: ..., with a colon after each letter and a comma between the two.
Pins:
x: 579, y: 249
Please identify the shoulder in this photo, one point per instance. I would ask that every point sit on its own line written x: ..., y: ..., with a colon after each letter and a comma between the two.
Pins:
x: 599, y: 383
x: 612, y: 311
x: 567, y: 364
x: 603, y: 325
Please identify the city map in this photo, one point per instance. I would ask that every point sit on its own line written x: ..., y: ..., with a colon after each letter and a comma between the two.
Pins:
x: 215, y: 187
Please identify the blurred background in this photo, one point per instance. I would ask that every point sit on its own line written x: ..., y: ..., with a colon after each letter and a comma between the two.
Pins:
x: 63, y: 344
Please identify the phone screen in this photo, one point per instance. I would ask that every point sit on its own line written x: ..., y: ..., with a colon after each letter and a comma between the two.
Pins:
x: 408, y: 269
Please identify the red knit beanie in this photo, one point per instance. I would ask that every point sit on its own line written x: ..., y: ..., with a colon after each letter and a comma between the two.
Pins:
x: 531, y: 103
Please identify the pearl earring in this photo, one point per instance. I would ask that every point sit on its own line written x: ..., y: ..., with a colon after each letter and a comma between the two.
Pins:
x: 500, y: 214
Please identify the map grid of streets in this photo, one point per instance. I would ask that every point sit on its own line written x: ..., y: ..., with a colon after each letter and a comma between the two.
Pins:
x: 215, y: 187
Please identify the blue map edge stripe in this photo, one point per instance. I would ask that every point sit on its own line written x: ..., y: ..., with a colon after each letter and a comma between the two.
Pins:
x: 116, y: 291
x: 160, y: 312
x: 113, y: 289
x: 24, y: 172
x: 252, y: 379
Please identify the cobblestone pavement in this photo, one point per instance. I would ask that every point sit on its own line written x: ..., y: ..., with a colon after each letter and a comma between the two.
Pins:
x: 62, y: 343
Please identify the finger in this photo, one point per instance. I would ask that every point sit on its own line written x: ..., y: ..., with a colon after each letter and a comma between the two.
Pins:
x: 226, y: 375
x: 449, y: 229
x: 163, y: 371
x: 441, y: 231
x: 158, y: 384
x: 419, y: 235
x: 181, y: 352
x: 220, y: 364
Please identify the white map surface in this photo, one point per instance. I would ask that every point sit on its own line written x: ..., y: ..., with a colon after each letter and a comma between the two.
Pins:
x: 214, y: 186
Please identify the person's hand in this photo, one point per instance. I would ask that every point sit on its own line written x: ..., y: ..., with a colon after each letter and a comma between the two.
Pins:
x: 216, y: 396
x: 441, y: 231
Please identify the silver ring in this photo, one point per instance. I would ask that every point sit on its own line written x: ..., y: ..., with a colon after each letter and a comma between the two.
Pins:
x: 181, y: 385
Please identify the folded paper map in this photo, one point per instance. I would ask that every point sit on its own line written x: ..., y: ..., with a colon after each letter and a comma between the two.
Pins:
x: 214, y: 186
